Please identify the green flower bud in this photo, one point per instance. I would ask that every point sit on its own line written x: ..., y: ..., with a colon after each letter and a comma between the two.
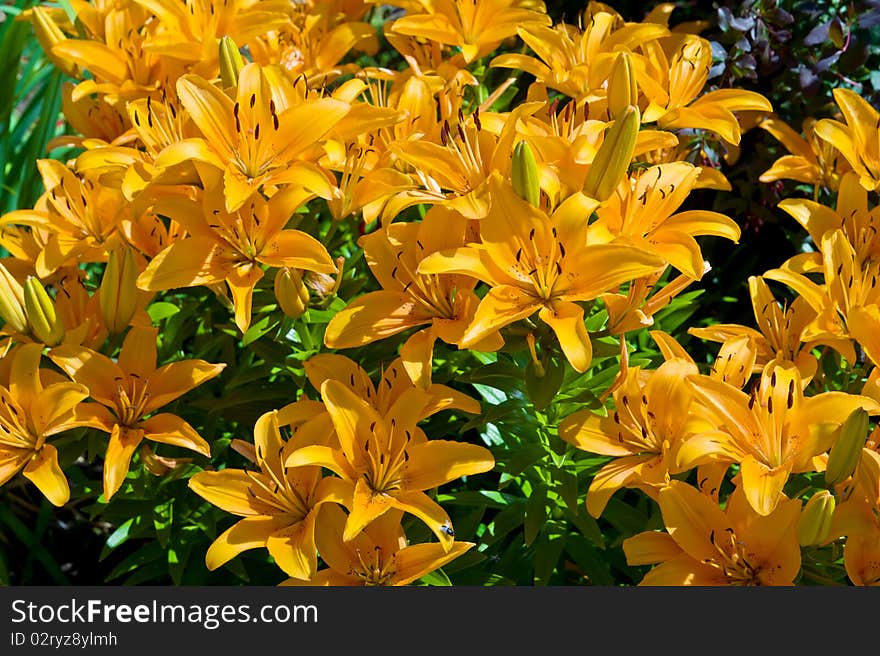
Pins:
x: 845, y: 454
x: 45, y: 323
x: 231, y: 62
x: 524, y: 174
x: 622, y: 88
x: 12, y: 302
x: 613, y: 158
x: 118, y: 294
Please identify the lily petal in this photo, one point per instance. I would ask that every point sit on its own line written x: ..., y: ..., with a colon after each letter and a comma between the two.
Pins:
x: 247, y: 533
x: 45, y: 472
x: 117, y: 459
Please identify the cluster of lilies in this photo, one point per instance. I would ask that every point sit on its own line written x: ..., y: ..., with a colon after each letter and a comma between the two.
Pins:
x: 205, y: 128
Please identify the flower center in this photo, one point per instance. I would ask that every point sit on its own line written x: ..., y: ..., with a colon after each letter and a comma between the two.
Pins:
x: 132, y: 397
x: 373, y: 569
x: 386, y: 459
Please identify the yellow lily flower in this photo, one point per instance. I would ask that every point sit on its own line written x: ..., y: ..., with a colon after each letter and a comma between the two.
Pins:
x: 386, y: 464
x: 313, y: 43
x: 847, y: 302
x: 705, y: 545
x: 31, y: 412
x: 686, y: 150
x: 121, y: 67
x: 780, y: 334
x: 261, y: 138
x: 733, y: 364
x: 577, y: 60
x: 394, y: 383
x: 539, y: 263
x: 811, y: 160
x: 566, y: 143
x: 456, y: 171
x: 127, y: 393
x: 378, y: 555
x: 229, y: 247
x: 642, y: 434
x: 857, y: 518
x: 859, y: 222
x: 677, y: 69
x: 476, y: 26
x: 97, y: 120
x: 636, y: 308
x: 279, y: 505
x: 157, y: 125
x: 409, y: 299
x: 190, y: 31
x: 78, y: 215
x: 773, y: 432
x: 858, y: 140
x: 643, y: 213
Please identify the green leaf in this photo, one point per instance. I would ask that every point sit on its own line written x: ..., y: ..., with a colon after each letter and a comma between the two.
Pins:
x: 590, y: 559
x: 437, y: 578
x: 536, y: 514
x: 24, y: 535
x: 162, y: 310
x: 117, y: 537
x: 547, y: 558
x: 543, y: 388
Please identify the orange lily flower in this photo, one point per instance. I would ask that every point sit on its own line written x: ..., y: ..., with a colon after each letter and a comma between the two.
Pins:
x: 394, y: 383
x: 642, y: 434
x: 78, y: 215
x: 859, y: 222
x: 677, y: 70
x: 848, y: 303
x: 386, y: 464
x: 457, y: 171
x: 576, y: 61
x: 780, y: 334
x: 114, y: 53
x: 540, y: 263
x: 31, y: 412
x: 190, y: 31
x: 773, y: 432
x: 261, y: 138
x: 643, y: 213
x: 857, y: 518
x: 279, y: 505
x: 859, y: 139
x: 476, y: 26
x: 811, y: 159
x: 409, y: 299
x: 636, y: 308
x: 705, y: 545
x: 378, y: 555
x: 128, y: 392
x: 230, y: 246
x: 314, y: 42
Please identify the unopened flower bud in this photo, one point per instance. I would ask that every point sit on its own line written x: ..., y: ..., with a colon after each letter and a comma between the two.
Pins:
x: 231, y: 62
x: 524, y: 174
x: 45, y: 323
x: 614, y: 155
x: 622, y: 88
x: 118, y: 294
x: 845, y: 454
x: 814, y: 524
x: 291, y: 293
x: 12, y: 301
